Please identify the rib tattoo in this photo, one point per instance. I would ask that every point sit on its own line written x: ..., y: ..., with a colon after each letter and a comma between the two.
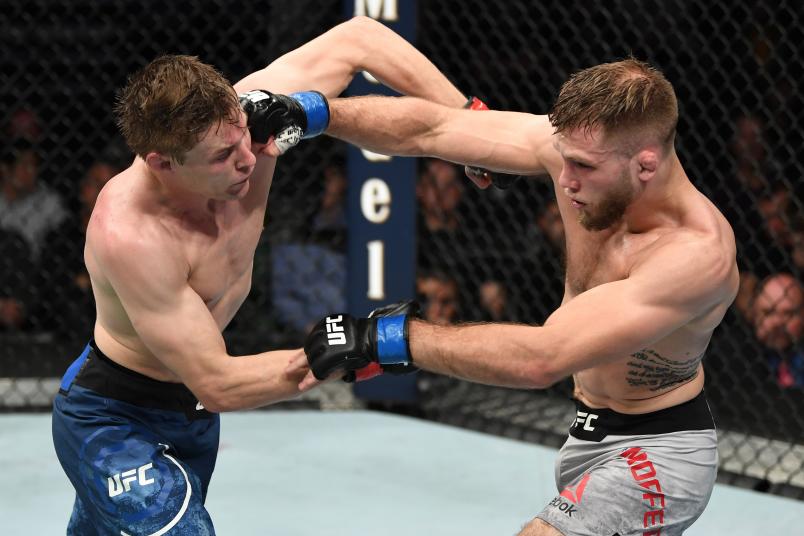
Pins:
x: 650, y: 369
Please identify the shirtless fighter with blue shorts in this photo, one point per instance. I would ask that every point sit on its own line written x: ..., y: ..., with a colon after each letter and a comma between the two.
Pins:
x: 170, y: 248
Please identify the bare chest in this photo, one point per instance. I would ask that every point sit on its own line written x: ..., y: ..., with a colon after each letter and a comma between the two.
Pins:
x: 221, y: 263
x: 594, y: 260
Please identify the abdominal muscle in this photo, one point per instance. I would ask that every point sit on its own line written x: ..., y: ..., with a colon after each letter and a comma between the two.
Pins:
x: 606, y: 387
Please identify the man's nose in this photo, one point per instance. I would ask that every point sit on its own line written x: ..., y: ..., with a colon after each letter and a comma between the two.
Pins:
x: 247, y: 160
x: 567, y: 182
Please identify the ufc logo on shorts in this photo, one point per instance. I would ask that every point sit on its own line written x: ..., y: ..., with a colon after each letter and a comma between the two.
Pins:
x: 335, y: 334
x: 122, y: 481
x: 585, y: 419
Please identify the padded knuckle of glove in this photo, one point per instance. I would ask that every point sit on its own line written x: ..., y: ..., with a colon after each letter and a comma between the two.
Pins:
x: 270, y: 114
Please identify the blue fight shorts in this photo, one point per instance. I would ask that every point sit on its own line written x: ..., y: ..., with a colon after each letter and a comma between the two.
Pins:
x: 139, y: 452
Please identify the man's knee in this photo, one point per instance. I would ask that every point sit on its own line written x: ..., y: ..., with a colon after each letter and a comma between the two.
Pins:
x: 537, y: 527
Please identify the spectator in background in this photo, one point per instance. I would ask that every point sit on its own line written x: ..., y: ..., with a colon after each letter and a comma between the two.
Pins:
x: 546, y: 257
x: 778, y: 314
x: 67, y: 305
x: 15, y: 285
x: 776, y: 209
x: 494, y: 303
x: 24, y: 124
x: 443, y: 244
x: 757, y: 207
x: 439, y: 191
x: 328, y: 225
x: 438, y: 295
x: 797, y: 245
x: 770, y: 249
x: 27, y: 206
x: 749, y: 151
x: 744, y: 301
x: 309, y: 276
x: 752, y: 174
x: 96, y: 177
x: 552, y: 227
x: 28, y: 211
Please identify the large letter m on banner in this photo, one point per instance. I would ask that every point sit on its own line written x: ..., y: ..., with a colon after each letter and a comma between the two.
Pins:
x: 377, y: 9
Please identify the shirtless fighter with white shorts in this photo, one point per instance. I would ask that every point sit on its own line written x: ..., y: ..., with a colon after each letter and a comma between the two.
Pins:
x: 650, y: 274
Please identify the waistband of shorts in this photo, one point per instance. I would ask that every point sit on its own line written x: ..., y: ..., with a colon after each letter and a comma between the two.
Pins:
x: 103, y: 376
x: 594, y: 424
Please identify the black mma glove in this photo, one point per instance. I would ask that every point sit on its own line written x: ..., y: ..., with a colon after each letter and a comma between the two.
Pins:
x: 500, y: 180
x: 290, y: 118
x: 362, y: 347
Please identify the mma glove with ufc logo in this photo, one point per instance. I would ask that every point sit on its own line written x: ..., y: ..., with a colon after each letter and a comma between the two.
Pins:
x: 289, y: 118
x: 362, y: 348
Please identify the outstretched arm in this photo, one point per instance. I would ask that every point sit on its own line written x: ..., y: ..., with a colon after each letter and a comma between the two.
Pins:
x: 503, y: 141
x: 682, y: 282
x: 329, y: 62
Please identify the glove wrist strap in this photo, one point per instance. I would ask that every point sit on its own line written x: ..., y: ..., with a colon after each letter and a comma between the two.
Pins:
x: 473, y: 103
x: 392, y: 344
x: 316, y: 108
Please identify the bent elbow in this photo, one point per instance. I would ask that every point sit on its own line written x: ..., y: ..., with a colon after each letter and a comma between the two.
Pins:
x: 364, y: 24
x: 212, y: 397
x: 212, y: 404
x: 543, y: 376
x: 361, y: 32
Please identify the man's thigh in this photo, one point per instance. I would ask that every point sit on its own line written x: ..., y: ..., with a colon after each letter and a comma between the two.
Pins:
x: 638, y: 491
x: 537, y: 527
x: 128, y: 481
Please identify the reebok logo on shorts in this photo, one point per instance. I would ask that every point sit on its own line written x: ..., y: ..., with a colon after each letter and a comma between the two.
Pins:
x: 573, y: 494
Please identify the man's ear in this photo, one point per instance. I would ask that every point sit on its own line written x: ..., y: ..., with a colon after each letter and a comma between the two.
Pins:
x: 647, y: 164
x: 158, y: 162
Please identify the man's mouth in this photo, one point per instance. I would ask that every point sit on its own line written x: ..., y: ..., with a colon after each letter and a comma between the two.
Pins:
x: 236, y: 187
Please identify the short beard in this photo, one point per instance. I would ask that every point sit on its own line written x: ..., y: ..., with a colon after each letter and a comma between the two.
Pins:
x: 611, y: 209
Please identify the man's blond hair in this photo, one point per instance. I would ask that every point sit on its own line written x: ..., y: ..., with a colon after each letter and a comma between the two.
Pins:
x: 169, y: 104
x: 626, y: 99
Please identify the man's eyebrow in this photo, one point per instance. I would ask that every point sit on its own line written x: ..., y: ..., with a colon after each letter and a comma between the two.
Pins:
x: 570, y: 156
x: 223, y: 150
x: 228, y: 148
x: 579, y: 159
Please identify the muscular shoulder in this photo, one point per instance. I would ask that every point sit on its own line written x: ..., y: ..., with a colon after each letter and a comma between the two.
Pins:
x: 126, y: 242
x: 690, y: 265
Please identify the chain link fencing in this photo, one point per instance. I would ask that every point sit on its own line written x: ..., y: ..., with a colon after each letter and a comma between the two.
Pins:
x: 491, y: 255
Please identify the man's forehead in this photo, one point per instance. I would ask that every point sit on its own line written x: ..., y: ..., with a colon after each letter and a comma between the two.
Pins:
x: 222, y: 135
x: 581, y: 143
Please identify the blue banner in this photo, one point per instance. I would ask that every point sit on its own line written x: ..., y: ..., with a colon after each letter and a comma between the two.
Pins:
x: 382, y: 212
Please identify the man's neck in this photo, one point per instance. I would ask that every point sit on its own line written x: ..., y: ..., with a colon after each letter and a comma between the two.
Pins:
x: 660, y: 202
x: 176, y: 200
